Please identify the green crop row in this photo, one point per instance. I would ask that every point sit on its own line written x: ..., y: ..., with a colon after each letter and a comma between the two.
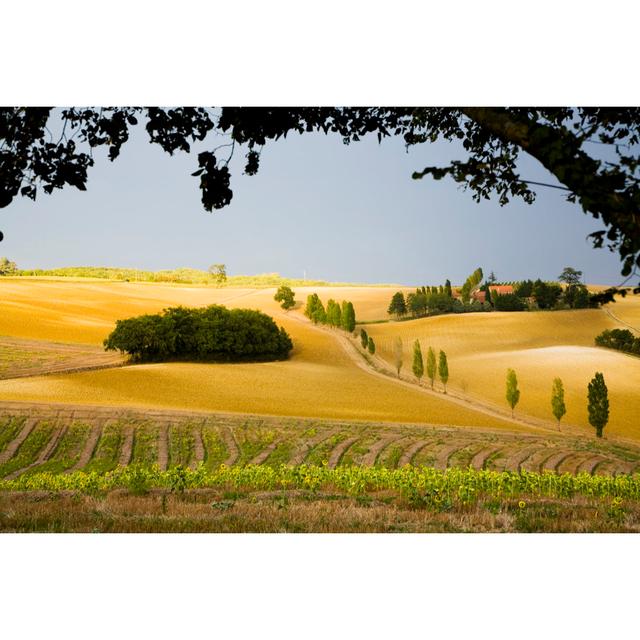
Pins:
x: 420, y: 485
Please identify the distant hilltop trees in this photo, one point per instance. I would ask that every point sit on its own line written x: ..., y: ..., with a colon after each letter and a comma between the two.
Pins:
x: 474, y: 295
x: 214, y: 334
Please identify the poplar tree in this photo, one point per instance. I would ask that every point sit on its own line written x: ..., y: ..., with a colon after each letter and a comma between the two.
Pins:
x: 371, y: 346
x: 447, y: 288
x: 443, y: 369
x: 432, y: 368
x: 397, y: 354
x: 348, y: 317
x: 418, y: 365
x: 364, y: 338
x: 513, y: 393
x: 333, y: 313
x: 598, y: 403
x: 557, y: 400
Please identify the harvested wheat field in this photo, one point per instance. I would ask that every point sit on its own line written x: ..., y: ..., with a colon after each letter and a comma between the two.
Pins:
x: 539, y: 346
x: 319, y: 380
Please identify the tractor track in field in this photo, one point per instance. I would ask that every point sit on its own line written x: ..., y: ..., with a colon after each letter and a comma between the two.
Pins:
x: 233, y: 451
x: 89, y: 446
x: 412, y: 451
x: 301, y: 452
x: 126, y: 449
x: 163, y: 447
x: 44, y: 454
x: 479, y: 460
x: 266, y: 452
x: 339, y: 450
x: 14, y: 445
x: 198, y: 446
x: 443, y: 456
x: 371, y: 457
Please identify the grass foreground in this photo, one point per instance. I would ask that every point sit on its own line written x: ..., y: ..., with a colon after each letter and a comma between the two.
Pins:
x: 308, y: 498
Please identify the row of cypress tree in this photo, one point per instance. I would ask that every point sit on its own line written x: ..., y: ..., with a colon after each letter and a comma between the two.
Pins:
x: 441, y: 368
x: 341, y: 315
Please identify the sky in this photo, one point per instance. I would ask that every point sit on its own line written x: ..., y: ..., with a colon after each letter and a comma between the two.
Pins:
x: 317, y: 208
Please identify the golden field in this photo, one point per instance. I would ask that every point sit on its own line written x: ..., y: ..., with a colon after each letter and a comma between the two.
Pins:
x: 319, y: 380
x: 539, y: 346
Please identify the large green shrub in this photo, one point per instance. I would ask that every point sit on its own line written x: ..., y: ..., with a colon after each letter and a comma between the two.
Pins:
x: 213, y: 333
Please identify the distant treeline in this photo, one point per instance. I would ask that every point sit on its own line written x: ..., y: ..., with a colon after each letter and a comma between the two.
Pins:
x: 213, y: 333
x: 180, y: 276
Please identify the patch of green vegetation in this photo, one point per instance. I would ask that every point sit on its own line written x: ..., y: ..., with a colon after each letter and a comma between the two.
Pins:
x: 9, y: 429
x: 215, y: 450
x: 355, y: 452
x: 319, y: 455
x: 145, y: 445
x: 29, y: 449
x: 67, y: 450
x: 107, y: 452
x: 181, y: 445
x: 253, y: 442
x: 281, y: 454
x: 390, y: 458
x: 462, y: 457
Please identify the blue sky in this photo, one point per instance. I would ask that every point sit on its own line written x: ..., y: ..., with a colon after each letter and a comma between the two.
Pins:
x: 340, y: 213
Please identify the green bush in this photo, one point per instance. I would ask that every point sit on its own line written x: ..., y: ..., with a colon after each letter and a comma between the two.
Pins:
x: 620, y: 339
x: 213, y: 333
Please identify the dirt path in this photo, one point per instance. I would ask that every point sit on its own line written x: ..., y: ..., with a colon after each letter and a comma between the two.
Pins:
x: 89, y: 446
x: 198, y: 446
x: 44, y: 455
x: 518, y: 457
x: 338, y: 451
x: 480, y: 458
x: 265, y: 453
x: 370, y: 458
x: 409, y: 454
x: 232, y: 446
x: 622, y: 322
x: 301, y: 453
x: 14, y: 445
x: 127, y: 446
x: 163, y: 447
x: 384, y: 370
x: 442, y: 458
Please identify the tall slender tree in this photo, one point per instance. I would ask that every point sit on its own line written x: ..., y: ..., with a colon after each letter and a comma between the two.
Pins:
x: 443, y: 369
x: 371, y: 346
x: 364, y: 338
x: 418, y: 364
x: 513, y: 393
x: 397, y: 354
x: 432, y: 367
x: 348, y: 316
x: 598, y: 397
x: 557, y: 400
x: 447, y: 288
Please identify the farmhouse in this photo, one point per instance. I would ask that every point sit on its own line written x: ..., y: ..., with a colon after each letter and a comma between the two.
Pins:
x: 500, y: 289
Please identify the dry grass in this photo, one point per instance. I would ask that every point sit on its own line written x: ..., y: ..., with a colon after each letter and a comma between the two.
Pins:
x: 296, y: 512
x: 539, y: 346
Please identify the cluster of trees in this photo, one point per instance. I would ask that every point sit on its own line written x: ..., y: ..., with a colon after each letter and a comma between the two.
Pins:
x: 219, y: 273
x: 551, y: 295
x: 620, y: 339
x: 367, y: 342
x: 286, y: 297
x: 7, y: 267
x: 425, y: 301
x: 433, y: 368
x: 597, y: 398
x: 213, y: 333
x: 341, y: 315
